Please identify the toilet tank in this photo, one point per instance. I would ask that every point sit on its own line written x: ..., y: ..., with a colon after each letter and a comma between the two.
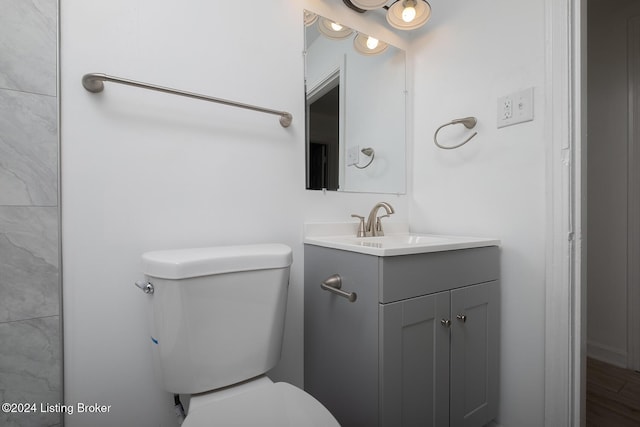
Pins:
x: 217, y: 313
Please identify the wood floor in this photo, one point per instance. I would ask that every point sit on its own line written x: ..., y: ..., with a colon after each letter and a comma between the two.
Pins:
x: 613, y: 396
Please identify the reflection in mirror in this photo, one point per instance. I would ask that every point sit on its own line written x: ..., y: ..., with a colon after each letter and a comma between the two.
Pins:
x: 323, y: 107
x: 355, y: 93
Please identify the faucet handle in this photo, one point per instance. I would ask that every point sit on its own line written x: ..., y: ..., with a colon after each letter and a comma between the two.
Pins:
x: 379, y: 230
x: 361, y: 231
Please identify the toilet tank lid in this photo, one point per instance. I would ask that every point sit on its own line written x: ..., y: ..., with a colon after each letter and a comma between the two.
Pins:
x: 194, y: 262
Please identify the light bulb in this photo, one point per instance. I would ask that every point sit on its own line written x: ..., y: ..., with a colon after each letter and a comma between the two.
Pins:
x: 335, y: 26
x: 372, y: 42
x: 409, y: 14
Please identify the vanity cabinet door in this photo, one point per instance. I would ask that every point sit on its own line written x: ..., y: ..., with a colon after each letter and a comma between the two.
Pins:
x: 414, y: 362
x: 474, y: 354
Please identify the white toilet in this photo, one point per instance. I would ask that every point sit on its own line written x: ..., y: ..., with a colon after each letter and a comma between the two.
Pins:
x: 217, y: 327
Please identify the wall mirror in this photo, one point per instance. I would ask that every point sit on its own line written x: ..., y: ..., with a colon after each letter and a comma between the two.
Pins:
x: 355, y: 89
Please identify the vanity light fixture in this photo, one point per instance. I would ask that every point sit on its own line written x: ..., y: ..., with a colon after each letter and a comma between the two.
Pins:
x: 368, y: 45
x: 408, y: 14
x: 368, y: 4
x: 402, y: 14
x: 333, y: 30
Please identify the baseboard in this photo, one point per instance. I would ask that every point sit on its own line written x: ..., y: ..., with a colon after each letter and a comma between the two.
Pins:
x: 607, y: 354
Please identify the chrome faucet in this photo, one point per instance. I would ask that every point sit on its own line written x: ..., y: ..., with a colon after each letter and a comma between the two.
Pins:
x: 373, y: 227
x: 374, y: 224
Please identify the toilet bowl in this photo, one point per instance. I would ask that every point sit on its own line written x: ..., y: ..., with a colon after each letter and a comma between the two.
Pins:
x: 217, y: 323
x: 262, y: 404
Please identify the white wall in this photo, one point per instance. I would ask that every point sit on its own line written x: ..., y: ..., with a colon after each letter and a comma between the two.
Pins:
x: 144, y: 171
x: 472, y: 53
x: 607, y: 179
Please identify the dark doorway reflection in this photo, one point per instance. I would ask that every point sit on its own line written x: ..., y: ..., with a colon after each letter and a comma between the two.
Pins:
x: 324, y: 141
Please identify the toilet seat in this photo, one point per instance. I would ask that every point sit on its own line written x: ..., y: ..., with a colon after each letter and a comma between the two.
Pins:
x: 275, y: 404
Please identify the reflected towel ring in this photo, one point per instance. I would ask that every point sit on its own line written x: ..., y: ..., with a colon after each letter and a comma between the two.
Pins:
x: 468, y: 122
x: 367, y: 152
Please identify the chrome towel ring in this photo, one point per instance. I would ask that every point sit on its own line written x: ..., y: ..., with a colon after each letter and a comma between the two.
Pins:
x: 468, y: 122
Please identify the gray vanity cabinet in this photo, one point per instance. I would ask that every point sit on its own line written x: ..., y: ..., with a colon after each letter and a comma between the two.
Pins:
x: 418, y: 347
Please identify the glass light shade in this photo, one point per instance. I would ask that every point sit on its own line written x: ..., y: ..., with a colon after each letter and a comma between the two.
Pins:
x: 395, y: 15
x: 333, y: 30
x: 369, y: 4
x: 362, y: 43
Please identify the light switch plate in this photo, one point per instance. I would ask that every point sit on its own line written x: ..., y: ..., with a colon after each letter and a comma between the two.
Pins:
x: 515, y: 108
x: 353, y: 155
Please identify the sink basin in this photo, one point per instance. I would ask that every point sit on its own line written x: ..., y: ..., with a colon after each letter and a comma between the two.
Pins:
x: 395, y: 240
x: 403, y: 243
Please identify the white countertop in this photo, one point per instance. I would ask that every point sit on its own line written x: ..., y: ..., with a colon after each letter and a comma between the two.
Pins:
x: 398, y: 240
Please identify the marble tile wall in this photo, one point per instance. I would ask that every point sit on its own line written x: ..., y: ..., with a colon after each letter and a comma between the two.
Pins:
x: 30, y: 334
x: 29, y: 262
x: 28, y: 42
x: 28, y: 149
x: 30, y: 370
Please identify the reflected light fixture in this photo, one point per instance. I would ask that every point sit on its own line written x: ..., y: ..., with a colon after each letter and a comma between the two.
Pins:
x: 333, y: 30
x: 368, y: 45
x: 309, y: 18
x: 408, y: 14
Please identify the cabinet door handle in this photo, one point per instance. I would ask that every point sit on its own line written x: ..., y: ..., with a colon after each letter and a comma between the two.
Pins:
x: 461, y: 317
x: 333, y: 284
x: 445, y: 322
